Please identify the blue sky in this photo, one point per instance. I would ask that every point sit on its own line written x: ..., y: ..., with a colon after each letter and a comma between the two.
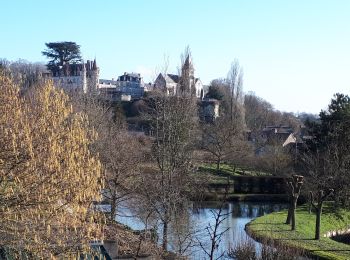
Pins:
x: 295, y: 54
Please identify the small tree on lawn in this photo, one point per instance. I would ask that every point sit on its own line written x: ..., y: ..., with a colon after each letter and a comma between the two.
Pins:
x: 294, y: 188
x: 321, y: 197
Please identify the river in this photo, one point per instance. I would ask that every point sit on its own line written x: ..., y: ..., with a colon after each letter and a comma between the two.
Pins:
x: 192, y: 230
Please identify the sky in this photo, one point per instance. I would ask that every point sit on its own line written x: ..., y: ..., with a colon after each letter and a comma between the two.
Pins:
x: 294, y: 53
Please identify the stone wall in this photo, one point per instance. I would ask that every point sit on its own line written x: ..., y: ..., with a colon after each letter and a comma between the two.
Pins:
x: 252, y: 185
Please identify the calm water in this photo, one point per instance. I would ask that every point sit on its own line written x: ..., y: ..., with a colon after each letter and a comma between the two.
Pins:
x: 190, y: 230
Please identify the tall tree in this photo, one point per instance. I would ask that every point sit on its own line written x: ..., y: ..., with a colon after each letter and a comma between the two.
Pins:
x: 48, y: 177
x: 121, y: 157
x: 224, y: 138
x: 258, y: 113
x: 327, y: 160
x: 166, y: 189
x: 173, y: 121
x: 235, y: 84
x: 61, y: 53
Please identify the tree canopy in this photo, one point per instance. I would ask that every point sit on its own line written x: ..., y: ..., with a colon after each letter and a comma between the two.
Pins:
x: 217, y: 90
x: 61, y: 53
x: 327, y: 159
x: 333, y: 125
x: 48, y: 178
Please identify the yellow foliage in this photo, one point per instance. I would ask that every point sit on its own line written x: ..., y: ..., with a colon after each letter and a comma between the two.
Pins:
x: 48, y: 178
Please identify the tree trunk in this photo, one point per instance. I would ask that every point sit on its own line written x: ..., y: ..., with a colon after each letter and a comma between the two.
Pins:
x: 322, y: 196
x: 318, y: 221
x: 165, y: 235
x: 113, y: 208
x: 289, y: 216
x: 310, y: 207
x: 294, y: 189
x: 293, y: 213
x: 218, y: 162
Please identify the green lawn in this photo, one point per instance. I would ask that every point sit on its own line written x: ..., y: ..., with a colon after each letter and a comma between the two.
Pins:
x: 230, y: 170
x: 272, y: 226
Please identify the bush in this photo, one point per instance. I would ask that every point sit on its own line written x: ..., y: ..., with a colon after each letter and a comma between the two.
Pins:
x: 247, y: 250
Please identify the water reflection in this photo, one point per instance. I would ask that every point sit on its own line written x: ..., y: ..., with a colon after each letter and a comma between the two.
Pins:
x: 240, y: 214
x: 188, y: 231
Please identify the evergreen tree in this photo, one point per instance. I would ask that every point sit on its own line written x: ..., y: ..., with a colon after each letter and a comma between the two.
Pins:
x: 61, y: 53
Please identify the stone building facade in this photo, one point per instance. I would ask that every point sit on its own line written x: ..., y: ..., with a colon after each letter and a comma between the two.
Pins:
x: 128, y: 86
x: 131, y: 84
x: 81, y: 77
x: 187, y: 83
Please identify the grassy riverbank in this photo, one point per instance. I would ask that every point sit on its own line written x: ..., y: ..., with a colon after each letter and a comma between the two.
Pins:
x: 272, y: 226
x: 229, y: 170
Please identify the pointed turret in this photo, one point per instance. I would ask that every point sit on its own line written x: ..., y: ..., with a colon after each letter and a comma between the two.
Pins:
x: 84, y: 77
x: 187, y: 67
x: 187, y: 63
x: 94, y: 66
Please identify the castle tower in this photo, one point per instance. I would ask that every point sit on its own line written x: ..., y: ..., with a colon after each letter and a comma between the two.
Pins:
x: 92, y: 76
x: 83, y: 72
x: 95, y: 76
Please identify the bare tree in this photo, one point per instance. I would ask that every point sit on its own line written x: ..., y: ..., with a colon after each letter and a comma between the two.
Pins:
x: 224, y: 137
x: 294, y: 192
x: 215, y: 234
x: 184, y: 231
x: 121, y: 156
x: 24, y: 73
x: 321, y: 197
x: 275, y: 158
x: 167, y: 184
x: 166, y: 187
x: 120, y: 153
x: 222, y: 140
x: 215, y: 231
x: 258, y: 114
x: 235, y: 83
x: 325, y: 175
